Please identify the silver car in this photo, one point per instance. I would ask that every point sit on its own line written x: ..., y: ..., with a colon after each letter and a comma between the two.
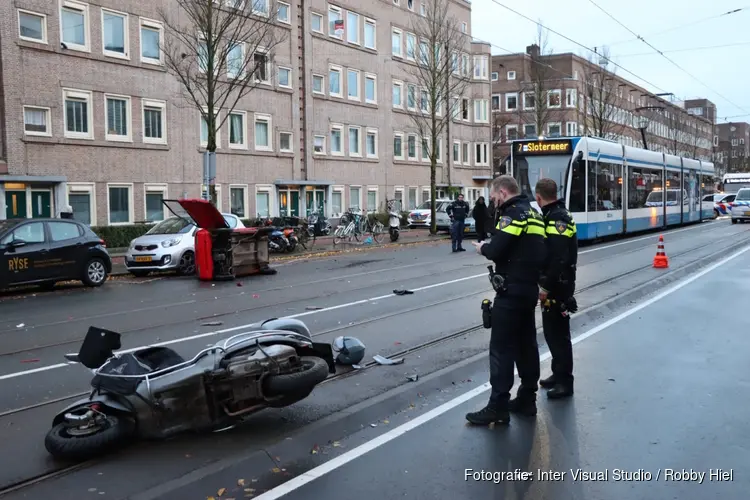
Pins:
x: 169, y: 245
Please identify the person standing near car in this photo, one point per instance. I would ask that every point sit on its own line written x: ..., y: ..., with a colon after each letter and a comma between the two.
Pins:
x: 557, y: 286
x: 480, y: 215
x: 458, y: 211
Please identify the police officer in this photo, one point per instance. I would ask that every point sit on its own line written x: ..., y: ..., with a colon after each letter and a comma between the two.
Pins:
x: 518, y: 250
x: 458, y: 211
x: 556, y: 287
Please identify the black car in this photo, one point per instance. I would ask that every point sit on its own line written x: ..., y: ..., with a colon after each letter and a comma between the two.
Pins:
x: 45, y: 251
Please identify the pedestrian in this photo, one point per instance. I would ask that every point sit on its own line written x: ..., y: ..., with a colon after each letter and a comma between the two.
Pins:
x: 458, y: 210
x: 480, y: 215
x: 557, y: 286
x: 518, y: 251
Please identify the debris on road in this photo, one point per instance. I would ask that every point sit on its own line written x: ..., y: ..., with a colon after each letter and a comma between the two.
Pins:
x: 412, y: 378
x: 315, y: 450
x: 357, y: 367
x: 403, y: 291
x: 313, y: 308
x: 213, y: 323
x: 30, y: 360
x: 20, y: 325
x: 382, y: 360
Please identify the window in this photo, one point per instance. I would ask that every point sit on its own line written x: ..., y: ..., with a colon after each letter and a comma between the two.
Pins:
x: 74, y: 25
x: 151, y: 37
x: 480, y: 67
x: 115, y: 34
x: 528, y: 100
x: 482, y: 153
x: 424, y: 104
x: 496, y: 102
x: 396, y: 43
x: 82, y: 198
x: 371, y: 89
x: 454, y: 62
x: 426, y: 149
x: 154, y: 122
x: 642, y: 182
x: 236, y: 60
x: 36, y: 121
x: 411, y: 147
x: 237, y: 201
x: 411, y: 46
x: 336, y: 147
x: 571, y: 129
x: 352, y: 84
x: 261, y: 64
x: 465, y: 153
x: 422, y: 9
x: 511, y: 75
x: 424, y: 52
x: 316, y: 22
x: 155, y: 195
x: 238, y: 130
x: 397, y: 97
x: 334, y: 81
x: 117, y: 117
x: 571, y: 98
x: 371, y: 143
x: 335, y: 23
x: 554, y: 129
x: 260, y: 7
x: 283, y: 12
x: 262, y: 202
x: 319, y: 145
x: 605, y: 187
x: 481, y: 114
x: 425, y: 195
x: 355, y: 197
x: 529, y: 131
x: 29, y: 233
x: 263, y: 133
x: 410, y: 5
x: 464, y: 27
x: 412, y: 198
x: 495, y: 76
x: 398, y: 146
x: 285, y: 77
x: 370, y: 34
x: 355, y: 141
x: 455, y: 108
x: 511, y: 132
x: 285, y: 142
x: 511, y: 102
x: 32, y: 26
x: 203, y: 56
x: 352, y: 27
x: 78, y: 114
x: 372, y: 200
x: 554, y: 98
x: 457, y: 152
x: 411, y: 96
x: 318, y: 84
x: 465, y: 109
x: 337, y: 201
x: 120, y: 204
x: 204, y: 129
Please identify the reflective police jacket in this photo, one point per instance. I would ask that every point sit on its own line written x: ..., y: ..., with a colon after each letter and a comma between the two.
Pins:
x: 559, y: 274
x: 518, y: 246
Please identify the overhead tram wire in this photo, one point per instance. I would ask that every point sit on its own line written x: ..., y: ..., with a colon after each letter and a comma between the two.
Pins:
x: 667, y: 58
x: 691, y: 49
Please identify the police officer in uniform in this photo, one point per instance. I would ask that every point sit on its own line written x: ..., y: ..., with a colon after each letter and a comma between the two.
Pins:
x: 518, y: 250
x: 557, y: 286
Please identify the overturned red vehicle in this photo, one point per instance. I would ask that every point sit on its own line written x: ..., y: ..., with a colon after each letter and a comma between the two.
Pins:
x: 223, y: 253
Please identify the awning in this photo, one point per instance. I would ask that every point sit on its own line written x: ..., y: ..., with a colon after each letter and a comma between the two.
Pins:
x: 34, y: 178
x: 482, y: 178
x: 445, y: 185
x: 300, y: 182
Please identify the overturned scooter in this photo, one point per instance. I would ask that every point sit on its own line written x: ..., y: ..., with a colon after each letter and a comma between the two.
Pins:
x: 154, y: 393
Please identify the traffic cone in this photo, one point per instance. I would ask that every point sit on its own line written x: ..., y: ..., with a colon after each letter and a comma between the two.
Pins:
x: 660, y: 260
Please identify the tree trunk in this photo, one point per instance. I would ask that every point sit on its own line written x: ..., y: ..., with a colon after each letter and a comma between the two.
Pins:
x: 433, y: 215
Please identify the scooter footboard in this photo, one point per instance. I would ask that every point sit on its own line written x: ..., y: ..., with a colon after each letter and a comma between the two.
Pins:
x: 320, y: 350
x: 105, y: 400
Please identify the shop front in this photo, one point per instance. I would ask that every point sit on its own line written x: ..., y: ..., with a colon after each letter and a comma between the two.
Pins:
x: 27, y: 197
x: 301, y: 198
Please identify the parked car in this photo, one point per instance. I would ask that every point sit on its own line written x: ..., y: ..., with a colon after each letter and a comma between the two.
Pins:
x: 740, y: 210
x: 421, y: 216
x: 168, y: 246
x: 45, y: 251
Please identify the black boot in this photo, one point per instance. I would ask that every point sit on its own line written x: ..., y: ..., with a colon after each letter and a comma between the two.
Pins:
x: 548, y: 382
x: 560, y: 391
x: 523, y: 406
x: 489, y: 415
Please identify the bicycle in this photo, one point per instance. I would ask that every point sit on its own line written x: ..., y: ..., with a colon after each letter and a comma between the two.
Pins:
x: 353, y: 224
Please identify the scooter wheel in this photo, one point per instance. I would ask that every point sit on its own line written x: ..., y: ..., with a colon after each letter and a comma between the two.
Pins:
x: 315, y: 371
x: 60, y: 443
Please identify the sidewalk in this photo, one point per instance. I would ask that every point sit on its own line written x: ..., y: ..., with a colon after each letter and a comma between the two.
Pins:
x: 323, y: 246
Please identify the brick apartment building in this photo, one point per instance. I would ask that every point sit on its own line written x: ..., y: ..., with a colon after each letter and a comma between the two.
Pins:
x: 90, y: 117
x: 733, y: 147
x: 608, y: 107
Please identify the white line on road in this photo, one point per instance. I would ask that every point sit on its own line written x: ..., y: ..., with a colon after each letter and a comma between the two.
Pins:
x: 341, y: 460
x: 625, y: 242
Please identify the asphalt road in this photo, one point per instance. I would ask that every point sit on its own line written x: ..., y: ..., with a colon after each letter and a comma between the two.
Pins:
x: 346, y: 295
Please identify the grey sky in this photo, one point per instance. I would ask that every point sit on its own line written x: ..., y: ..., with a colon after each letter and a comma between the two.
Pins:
x: 723, y: 70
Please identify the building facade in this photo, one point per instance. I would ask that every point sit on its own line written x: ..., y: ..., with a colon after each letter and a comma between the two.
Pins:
x: 733, y: 147
x: 566, y: 95
x: 91, y: 118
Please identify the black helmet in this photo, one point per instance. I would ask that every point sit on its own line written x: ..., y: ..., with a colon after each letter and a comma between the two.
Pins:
x: 350, y: 350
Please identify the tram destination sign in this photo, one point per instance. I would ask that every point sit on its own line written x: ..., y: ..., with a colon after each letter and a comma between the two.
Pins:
x: 548, y: 147
x: 737, y: 180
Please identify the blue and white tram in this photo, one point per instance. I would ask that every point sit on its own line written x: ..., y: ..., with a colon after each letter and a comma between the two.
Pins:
x: 589, y: 173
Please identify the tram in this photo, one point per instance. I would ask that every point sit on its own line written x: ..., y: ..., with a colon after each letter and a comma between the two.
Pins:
x: 612, y: 189
x: 734, y: 182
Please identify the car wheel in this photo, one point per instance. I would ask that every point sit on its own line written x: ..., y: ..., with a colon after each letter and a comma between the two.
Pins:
x: 187, y: 264
x: 734, y: 221
x: 95, y: 273
x: 716, y: 213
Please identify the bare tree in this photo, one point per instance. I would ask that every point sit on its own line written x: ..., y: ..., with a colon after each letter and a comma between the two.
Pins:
x: 499, y: 135
x: 538, y: 86
x: 440, y: 74
x: 219, y: 52
x: 600, y: 96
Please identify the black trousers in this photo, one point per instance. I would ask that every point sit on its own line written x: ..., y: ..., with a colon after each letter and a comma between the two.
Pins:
x: 557, y: 336
x: 513, y: 341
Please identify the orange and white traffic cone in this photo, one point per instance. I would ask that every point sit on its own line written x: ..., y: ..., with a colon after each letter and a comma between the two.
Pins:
x: 661, y: 261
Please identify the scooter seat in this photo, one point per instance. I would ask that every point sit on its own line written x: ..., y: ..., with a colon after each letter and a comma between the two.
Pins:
x: 158, y: 358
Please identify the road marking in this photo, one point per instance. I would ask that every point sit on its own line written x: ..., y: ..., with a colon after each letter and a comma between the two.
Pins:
x: 643, y: 238
x: 341, y: 460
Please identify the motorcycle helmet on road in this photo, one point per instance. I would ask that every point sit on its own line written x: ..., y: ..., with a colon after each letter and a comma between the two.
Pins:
x: 350, y: 350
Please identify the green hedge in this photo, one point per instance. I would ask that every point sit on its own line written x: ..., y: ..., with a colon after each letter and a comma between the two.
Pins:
x: 121, y: 236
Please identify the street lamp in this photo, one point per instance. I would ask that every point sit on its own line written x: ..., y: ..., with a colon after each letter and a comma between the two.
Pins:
x: 643, y: 121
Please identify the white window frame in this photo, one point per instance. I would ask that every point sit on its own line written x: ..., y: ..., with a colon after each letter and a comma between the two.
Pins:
x: 88, y: 96
x: 358, y: 154
x: 416, y: 97
x: 358, y: 40
x: 494, y: 76
x: 243, y: 67
x: 482, y: 106
x: 322, y: 153
x: 525, y: 108
x: 340, y: 70
x: 499, y: 102
x: 568, y: 127
x: 323, y: 78
x: 551, y: 124
x: 400, y: 84
x: 153, y: 188
x: 416, y: 147
x: 509, y: 127
x: 466, y: 158
x: 263, y: 51
x: 243, y: 144
x: 358, y: 187
x: 416, y: 197
x: 126, y: 34
x: 410, y: 8
x: 422, y: 151
x: 162, y: 105
x: 84, y: 9
x: 319, y: 16
x: 536, y: 132
x: 372, y: 189
x: 468, y: 109
x: 289, y: 12
x: 156, y: 26
x: 368, y: 132
x: 374, y: 25
x: 269, y: 120
x: 45, y: 38
x: 571, y: 95
x: 509, y: 95
x: 484, y: 148
x: 88, y: 188
x: 340, y: 127
x: 291, y: 142
x: 260, y: 13
x: 332, y: 33
x: 422, y: 8
x: 400, y: 34
x: 464, y: 27
x: 481, y: 62
x: 550, y: 93
x: 278, y: 80
x: 338, y: 189
x: 439, y: 150
x: 131, y: 208
x: 270, y: 191
x: 218, y: 130
x: 357, y: 97
x: 413, y: 57
x: 245, y: 199
x: 48, y: 120
x: 374, y: 78
x: 456, y: 161
x: 402, y: 156
x: 511, y: 75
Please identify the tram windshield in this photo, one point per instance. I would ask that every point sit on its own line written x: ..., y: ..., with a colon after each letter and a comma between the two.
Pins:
x: 529, y: 169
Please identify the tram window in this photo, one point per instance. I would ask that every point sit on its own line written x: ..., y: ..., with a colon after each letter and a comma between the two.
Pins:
x: 605, y: 188
x: 674, y: 197
x: 641, y: 182
x: 578, y: 188
x: 707, y: 184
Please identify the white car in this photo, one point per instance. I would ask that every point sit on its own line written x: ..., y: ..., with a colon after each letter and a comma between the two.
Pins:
x: 740, y: 210
x: 421, y: 217
x: 169, y: 245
